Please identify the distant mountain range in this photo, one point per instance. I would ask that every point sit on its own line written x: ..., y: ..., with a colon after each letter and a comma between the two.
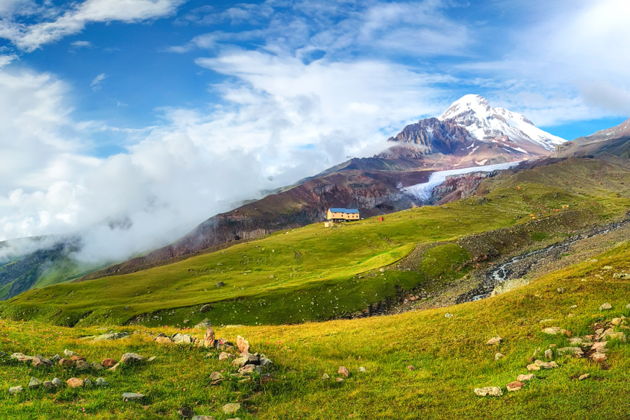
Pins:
x: 469, y: 133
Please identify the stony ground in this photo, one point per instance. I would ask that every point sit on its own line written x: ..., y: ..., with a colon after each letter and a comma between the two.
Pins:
x: 433, y: 363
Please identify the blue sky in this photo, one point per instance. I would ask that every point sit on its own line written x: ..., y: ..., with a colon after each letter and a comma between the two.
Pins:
x: 146, y: 108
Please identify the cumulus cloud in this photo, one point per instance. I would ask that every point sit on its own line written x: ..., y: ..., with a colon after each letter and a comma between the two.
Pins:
x: 196, y: 162
x: 30, y: 37
x: 570, y: 65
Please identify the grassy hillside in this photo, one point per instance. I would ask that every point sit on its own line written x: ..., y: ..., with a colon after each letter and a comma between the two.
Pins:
x: 314, y: 273
x: 446, y: 348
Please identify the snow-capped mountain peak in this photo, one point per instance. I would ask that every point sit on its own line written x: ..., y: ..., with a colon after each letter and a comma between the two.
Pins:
x: 488, y: 124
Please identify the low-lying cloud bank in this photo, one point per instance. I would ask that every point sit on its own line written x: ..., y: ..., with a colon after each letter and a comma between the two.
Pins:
x: 281, y: 120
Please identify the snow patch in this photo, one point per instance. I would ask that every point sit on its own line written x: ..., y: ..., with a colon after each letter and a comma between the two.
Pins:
x: 485, y: 123
x: 424, y: 191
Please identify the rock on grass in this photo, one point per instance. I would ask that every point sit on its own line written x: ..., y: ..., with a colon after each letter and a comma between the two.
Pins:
x: 515, y: 386
x: 488, y: 391
x: 231, y: 408
x: 132, y: 396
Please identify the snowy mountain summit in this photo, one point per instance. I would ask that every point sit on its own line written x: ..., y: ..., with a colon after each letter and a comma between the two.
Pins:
x: 488, y: 124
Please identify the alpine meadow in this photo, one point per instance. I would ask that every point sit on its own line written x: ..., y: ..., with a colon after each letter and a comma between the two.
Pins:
x: 308, y: 209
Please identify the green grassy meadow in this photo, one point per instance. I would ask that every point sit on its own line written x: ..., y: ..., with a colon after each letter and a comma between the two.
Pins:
x: 316, y: 273
x: 449, y: 356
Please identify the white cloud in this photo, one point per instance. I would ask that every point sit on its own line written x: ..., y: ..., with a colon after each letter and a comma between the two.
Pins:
x: 29, y: 37
x: 97, y: 82
x: 81, y: 44
x: 341, y: 28
x: 571, y: 65
x: 196, y: 163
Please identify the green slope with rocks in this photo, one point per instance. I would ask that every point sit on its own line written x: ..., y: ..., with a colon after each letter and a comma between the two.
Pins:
x: 314, y: 273
x: 568, y: 329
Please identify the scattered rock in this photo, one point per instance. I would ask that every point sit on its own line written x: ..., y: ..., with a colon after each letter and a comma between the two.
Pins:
x: 325, y: 376
x: 107, y: 363
x: 34, y: 383
x: 101, y: 382
x: 75, y: 382
x: 249, y: 369
x: 48, y: 385
x: 448, y: 315
x: 576, y: 351
x: 411, y: 367
x: 57, y: 382
x: 81, y: 365
x: 489, y: 391
x: 205, y: 308
x: 186, y: 412
x: 560, y: 290
x: 242, y: 345
x: 203, y: 418
x: 111, y: 336
x: 598, y: 357
x: 362, y: 369
x: 605, y: 307
x: 15, y: 390
x: 131, y: 358
x: 87, y: 383
x: 532, y: 367
x: 264, y: 361
x: 40, y: 361
x: 556, y: 331
x: 515, y: 386
x: 220, y: 284
x: 225, y: 355
x: 240, y: 361
x: 498, y: 356
x: 615, y: 335
x: 68, y: 353
x: 162, y: 339
x: 231, y: 408
x: 151, y: 359
x: 343, y: 371
x: 182, y: 339
x: 600, y: 346
x: 576, y: 341
x: 617, y: 321
x: 132, y: 396
x: 494, y: 341
x: 216, y: 378
x: 549, y: 354
x: 338, y: 379
x: 525, y: 377
x: 622, y: 276
x: 548, y: 365
x: 21, y: 357
x: 209, y: 339
x: 584, y: 376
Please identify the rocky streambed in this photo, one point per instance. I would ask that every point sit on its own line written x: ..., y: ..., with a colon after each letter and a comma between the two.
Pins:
x: 518, y: 266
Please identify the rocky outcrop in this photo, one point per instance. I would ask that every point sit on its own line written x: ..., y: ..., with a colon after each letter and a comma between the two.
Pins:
x: 434, y: 136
